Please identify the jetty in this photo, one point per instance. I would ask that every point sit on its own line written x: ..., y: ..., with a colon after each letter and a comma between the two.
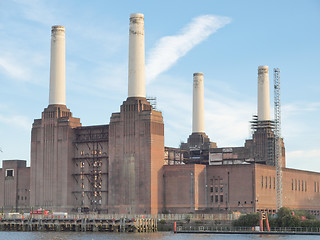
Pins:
x: 79, y: 224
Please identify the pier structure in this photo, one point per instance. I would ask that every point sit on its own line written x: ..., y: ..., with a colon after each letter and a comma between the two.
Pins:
x: 79, y: 224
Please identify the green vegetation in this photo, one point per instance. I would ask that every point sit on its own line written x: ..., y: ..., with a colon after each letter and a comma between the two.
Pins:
x: 293, y: 218
x: 248, y: 220
x: 162, y: 221
x: 284, y: 218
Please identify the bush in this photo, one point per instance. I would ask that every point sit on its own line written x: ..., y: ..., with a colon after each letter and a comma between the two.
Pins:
x: 248, y: 220
x: 284, y: 218
x: 162, y: 221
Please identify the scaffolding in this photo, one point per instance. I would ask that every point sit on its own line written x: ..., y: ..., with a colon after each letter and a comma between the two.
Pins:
x: 174, y: 156
x: 91, y: 160
x: 278, y: 145
x: 263, y: 150
x: 152, y: 101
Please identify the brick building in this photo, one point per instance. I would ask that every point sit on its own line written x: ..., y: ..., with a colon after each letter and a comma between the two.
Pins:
x: 123, y: 167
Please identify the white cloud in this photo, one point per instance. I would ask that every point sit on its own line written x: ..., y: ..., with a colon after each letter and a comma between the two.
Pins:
x: 304, y: 159
x: 26, y: 66
x: 170, y: 48
x: 13, y: 68
x: 226, y: 119
x: 298, y: 108
x: 16, y: 121
x: 35, y: 10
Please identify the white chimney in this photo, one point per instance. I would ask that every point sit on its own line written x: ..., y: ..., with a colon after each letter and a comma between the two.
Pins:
x: 263, y: 94
x: 198, y: 104
x: 57, y: 94
x: 136, y: 78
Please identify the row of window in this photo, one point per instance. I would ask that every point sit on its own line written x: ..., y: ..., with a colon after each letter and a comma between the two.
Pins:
x: 216, y: 189
x: 298, y: 185
x: 21, y: 198
x: 216, y: 198
x: 265, y: 183
x: 216, y: 186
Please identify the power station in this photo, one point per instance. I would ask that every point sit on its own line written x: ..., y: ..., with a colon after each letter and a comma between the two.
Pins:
x: 124, y: 168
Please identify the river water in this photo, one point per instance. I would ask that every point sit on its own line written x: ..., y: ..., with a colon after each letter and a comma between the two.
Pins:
x: 141, y: 236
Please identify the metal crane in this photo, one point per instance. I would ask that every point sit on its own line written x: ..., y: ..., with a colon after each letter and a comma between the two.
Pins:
x: 277, y: 132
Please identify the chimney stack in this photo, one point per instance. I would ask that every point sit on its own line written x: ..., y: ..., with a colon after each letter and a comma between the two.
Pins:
x: 263, y: 94
x: 57, y: 94
x: 198, y: 104
x: 136, y: 78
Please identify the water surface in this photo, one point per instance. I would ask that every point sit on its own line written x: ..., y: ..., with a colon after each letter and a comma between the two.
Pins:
x: 142, y: 236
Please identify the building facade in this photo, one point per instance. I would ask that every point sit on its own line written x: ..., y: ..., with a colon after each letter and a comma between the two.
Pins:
x: 124, y: 168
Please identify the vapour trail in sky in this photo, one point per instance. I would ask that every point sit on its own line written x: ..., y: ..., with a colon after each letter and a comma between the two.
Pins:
x: 169, y: 49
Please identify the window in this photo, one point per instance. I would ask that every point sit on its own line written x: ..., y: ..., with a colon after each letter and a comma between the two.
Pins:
x: 262, y: 181
x: 9, y: 173
x: 315, y: 187
x: 266, y: 182
x: 221, y: 198
x: 305, y: 185
x: 270, y: 182
x: 299, y: 185
x: 212, y: 199
x: 211, y: 189
x: 292, y: 184
x: 221, y: 188
x: 216, y: 189
x: 216, y: 198
x: 318, y: 187
x: 302, y: 185
x: 274, y: 183
x: 295, y: 186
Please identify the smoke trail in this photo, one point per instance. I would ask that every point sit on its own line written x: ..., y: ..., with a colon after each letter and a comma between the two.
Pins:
x: 169, y: 49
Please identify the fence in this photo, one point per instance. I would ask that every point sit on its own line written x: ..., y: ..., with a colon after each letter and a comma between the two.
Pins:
x: 246, y: 229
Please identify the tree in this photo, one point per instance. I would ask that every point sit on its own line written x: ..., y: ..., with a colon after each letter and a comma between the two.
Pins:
x: 248, y: 220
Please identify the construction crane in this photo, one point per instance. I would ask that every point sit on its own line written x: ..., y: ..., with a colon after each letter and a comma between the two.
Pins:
x: 277, y: 132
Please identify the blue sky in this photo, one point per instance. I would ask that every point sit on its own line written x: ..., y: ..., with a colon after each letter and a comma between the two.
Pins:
x: 226, y: 40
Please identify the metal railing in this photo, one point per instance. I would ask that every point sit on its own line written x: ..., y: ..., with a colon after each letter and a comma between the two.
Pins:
x: 244, y: 229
